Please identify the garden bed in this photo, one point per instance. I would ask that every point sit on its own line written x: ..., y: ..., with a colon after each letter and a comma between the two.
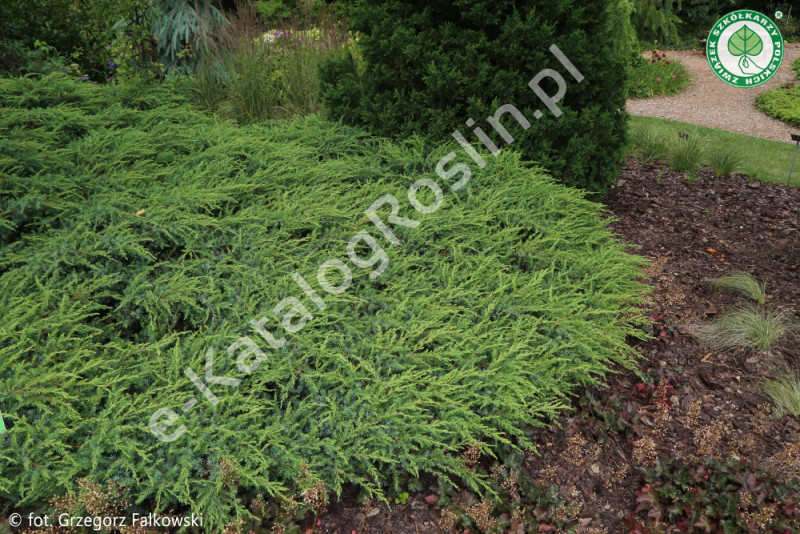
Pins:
x: 709, y: 101
x: 692, y: 233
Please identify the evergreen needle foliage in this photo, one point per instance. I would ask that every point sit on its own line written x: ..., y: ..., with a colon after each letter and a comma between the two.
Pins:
x: 743, y: 283
x: 782, y: 103
x: 137, y: 233
x: 179, y: 24
x: 656, y: 20
x: 430, y: 66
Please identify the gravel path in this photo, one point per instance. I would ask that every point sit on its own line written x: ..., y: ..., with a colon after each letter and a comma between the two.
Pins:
x: 710, y: 102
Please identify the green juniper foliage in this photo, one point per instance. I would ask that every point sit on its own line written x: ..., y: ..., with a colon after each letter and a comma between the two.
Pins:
x: 782, y: 103
x: 136, y: 234
x: 431, y: 66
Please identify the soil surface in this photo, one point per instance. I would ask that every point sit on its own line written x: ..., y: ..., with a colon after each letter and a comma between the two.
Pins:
x: 691, y: 233
x: 711, y: 102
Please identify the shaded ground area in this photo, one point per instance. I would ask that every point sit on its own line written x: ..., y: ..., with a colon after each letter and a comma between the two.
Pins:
x: 691, y: 233
x: 710, y: 102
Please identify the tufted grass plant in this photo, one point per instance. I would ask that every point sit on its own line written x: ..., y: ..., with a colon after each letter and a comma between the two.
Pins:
x: 686, y: 155
x: 250, y: 72
x: 648, y: 144
x: 725, y: 162
x: 746, y: 328
x: 761, y: 159
x: 784, y: 391
x: 137, y: 234
x: 743, y: 283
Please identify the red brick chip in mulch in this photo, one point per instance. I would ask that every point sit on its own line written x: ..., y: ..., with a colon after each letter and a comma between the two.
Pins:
x: 685, y: 400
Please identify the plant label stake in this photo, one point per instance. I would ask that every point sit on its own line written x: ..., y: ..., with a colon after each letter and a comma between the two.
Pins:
x: 2, y: 424
x: 795, y: 138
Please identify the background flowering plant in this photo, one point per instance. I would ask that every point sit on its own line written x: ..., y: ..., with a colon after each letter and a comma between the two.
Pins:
x: 655, y: 73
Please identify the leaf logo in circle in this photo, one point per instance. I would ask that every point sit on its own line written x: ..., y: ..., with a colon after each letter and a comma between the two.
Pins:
x: 745, y: 43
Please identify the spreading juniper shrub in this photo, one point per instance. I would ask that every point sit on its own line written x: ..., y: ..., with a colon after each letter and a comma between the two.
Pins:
x: 140, y: 236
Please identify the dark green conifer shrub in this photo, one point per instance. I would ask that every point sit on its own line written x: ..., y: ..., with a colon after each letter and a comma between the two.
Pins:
x: 98, y: 36
x: 137, y: 234
x: 656, y: 21
x: 697, y: 16
x: 431, y: 66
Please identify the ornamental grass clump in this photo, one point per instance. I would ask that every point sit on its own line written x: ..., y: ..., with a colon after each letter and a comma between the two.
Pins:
x: 687, y: 155
x: 251, y: 73
x: 725, y: 162
x: 747, y: 327
x: 139, y: 237
x: 743, y: 283
x: 648, y: 143
x: 784, y: 391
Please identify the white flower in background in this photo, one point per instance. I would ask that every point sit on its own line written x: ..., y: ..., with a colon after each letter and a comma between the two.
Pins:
x: 269, y: 37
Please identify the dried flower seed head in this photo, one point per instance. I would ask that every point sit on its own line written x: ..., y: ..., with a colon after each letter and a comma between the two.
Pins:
x: 707, y: 439
x: 761, y: 519
x: 785, y: 464
x: 580, y: 451
x: 693, y: 414
x: 616, y: 476
x: 312, y: 489
x: 234, y: 527
x: 645, y: 451
x: 258, y: 504
x: 228, y: 473
x: 472, y: 454
x: 448, y: 520
x: 482, y: 514
x: 548, y: 473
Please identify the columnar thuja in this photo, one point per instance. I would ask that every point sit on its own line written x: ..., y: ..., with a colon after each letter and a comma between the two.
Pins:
x: 428, y: 66
x: 293, y: 315
x: 550, y: 101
